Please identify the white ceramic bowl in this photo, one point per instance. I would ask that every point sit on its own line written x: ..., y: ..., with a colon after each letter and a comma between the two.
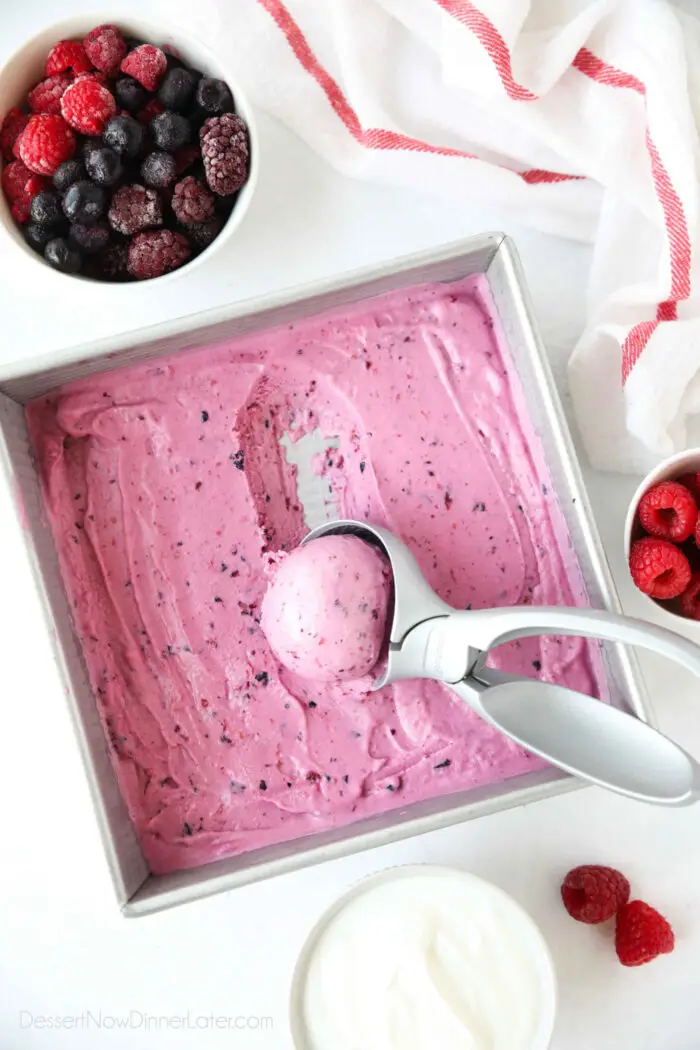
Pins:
x: 542, y: 965
x: 668, y: 470
x: 26, y: 67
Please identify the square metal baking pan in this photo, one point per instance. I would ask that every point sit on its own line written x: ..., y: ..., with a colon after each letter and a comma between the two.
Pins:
x: 138, y: 891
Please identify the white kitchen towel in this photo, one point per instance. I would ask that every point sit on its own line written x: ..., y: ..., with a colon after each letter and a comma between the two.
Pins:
x: 578, y: 117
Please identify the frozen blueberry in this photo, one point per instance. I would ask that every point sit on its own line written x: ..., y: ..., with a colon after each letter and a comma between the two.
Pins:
x: 45, y: 210
x: 130, y: 94
x: 214, y: 96
x: 176, y: 89
x: 170, y: 131
x: 62, y: 255
x: 159, y: 170
x: 84, y: 202
x: 104, y: 166
x: 68, y: 173
x: 37, y: 237
x: 125, y: 136
x: 89, y: 239
x: 92, y: 142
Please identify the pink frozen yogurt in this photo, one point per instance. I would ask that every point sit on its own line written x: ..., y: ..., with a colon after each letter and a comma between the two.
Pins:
x: 166, y: 488
x: 324, y: 611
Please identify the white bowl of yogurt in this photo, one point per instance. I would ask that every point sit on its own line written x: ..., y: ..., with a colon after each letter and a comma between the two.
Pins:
x: 422, y: 956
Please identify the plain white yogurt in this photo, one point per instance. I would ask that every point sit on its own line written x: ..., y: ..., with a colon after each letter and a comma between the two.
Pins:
x: 420, y: 958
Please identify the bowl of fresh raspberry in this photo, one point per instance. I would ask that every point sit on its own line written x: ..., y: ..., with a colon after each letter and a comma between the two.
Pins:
x: 662, y: 536
x: 128, y: 151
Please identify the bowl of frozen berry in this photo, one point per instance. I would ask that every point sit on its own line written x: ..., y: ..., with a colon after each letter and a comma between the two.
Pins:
x: 128, y: 150
x: 662, y: 536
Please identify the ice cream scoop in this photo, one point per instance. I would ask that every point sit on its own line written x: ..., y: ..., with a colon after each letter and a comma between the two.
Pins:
x: 325, y: 609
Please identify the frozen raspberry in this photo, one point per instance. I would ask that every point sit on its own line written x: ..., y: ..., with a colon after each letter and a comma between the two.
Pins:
x: 18, y: 181
x: 158, y: 169
x: 641, y: 934
x: 67, y: 54
x: 46, y: 96
x: 12, y: 127
x: 692, y: 483
x: 147, y: 64
x: 185, y: 158
x: 668, y: 510
x: 156, y: 253
x: 21, y: 209
x: 99, y: 78
x: 105, y: 47
x: 134, y: 208
x: 593, y: 893
x: 192, y: 201
x: 88, y: 106
x: 149, y: 111
x: 658, y: 568
x: 225, y: 153
x: 689, y: 600
x: 46, y: 142
x: 214, y: 96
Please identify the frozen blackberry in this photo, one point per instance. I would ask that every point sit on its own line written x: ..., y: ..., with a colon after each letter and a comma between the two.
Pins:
x: 89, y: 239
x: 135, y: 208
x: 45, y: 210
x: 125, y: 136
x: 170, y: 131
x: 62, y: 255
x: 104, y: 166
x: 177, y: 88
x: 84, y: 202
x: 214, y: 96
x: 68, y: 173
x: 201, y: 234
x: 110, y: 264
x: 192, y: 201
x: 225, y: 152
x: 37, y: 237
x: 157, y: 252
x: 159, y: 169
x: 130, y: 94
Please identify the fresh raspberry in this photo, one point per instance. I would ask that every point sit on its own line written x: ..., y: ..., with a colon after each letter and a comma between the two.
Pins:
x: 147, y: 64
x: 185, y: 158
x: 134, y: 208
x: 45, y: 143
x: 192, y: 201
x: 87, y: 106
x: 18, y: 181
x: 692, y: 483
x: 12, y: 127
x: 593, y: 893
x: 46, y: 96
x: 689, y: 600
x: 105, y: 47
x: 225, y: 153
x: 641, y: 934
x: 157, y: 252
x: 668, y: 510
x: 658, y: 568
x: 67, y: 54
x: 150, y: 110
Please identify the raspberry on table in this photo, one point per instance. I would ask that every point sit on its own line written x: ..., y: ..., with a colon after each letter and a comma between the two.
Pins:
x: 130, y: 94
x: 14, y: 123
x: 87, y: 106
x: 104, y: 166
x: 177, y: 88
x: 147, y: 64
x: 170, y: 131
x: 45, y: 143
x: 68, y: 173
x: 658, y: 568
x: 159, y: 170
x: 192, y: 201
x: 46, y: 96
x: 225, y: 152
x: 125, y: 136
x: 214, y: 96
x: 593, y: 893
x: 641, y: 934
x: 60, y: 254
x: 668, y: 510
x: 135, y: 208
x: 84, y: 202
x: 157, y: 252
x: 67, y: 54
x: 105, y: 47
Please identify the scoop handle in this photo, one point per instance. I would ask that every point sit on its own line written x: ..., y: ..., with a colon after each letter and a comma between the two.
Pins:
x: 585, y: 737
x: 487, y: 628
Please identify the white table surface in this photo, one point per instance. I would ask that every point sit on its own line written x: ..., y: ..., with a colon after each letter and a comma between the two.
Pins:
x: 64, y: 948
